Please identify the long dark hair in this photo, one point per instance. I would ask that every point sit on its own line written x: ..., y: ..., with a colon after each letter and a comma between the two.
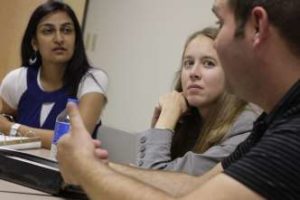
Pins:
x: 77, y: 66
x: 192, y: 132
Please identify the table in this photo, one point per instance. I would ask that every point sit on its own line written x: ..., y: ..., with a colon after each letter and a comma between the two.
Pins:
x: 11, y: 191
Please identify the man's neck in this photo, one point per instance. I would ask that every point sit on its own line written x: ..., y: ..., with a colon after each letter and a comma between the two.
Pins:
x: 276, y: 84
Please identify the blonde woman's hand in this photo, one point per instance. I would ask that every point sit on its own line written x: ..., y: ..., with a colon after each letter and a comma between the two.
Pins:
x: 156, y: 114
x: 171, y: 106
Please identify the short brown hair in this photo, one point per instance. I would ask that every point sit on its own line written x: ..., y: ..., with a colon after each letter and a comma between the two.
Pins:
x: 283, y: 14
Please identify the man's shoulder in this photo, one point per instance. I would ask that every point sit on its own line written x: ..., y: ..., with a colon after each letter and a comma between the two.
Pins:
x: 290, y: 123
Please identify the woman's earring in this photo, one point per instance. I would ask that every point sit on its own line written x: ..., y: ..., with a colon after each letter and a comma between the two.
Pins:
x: 33, y: 58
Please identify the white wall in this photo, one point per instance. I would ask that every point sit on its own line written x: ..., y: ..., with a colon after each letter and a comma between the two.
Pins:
x: 139, y: 44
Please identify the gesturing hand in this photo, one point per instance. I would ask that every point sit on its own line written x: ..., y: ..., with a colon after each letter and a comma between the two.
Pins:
x: 102, y: 154
x: 76, y: 149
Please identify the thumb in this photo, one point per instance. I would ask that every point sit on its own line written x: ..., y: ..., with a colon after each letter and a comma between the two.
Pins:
x: 75, y: 118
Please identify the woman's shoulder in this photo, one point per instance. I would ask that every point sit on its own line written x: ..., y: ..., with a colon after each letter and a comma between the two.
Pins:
x: 15, y: 74
x: 98, y: 72
x: 99, y: 76
x: 94, y: 80
x: 21, y: 71
x: 13, y: 85
x: 244, y: 122
x: 250, y: 113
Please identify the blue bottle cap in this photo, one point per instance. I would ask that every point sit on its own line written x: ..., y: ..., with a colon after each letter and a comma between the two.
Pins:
x: 73, y: 100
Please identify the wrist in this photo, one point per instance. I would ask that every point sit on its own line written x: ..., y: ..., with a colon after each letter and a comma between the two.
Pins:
x: 166, y: 124
x: 5, y: 125
x: 89, y: 168
x: 14, y: 129
x: 168, y: 119
x: 172, y: 131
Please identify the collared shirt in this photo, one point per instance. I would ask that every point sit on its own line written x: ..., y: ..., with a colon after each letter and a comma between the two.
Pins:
x: 268, y: 162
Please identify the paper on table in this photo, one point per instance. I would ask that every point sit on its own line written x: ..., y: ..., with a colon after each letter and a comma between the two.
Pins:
x: 19, y: 142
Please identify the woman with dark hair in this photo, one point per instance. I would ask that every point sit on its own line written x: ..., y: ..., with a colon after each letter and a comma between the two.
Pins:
x: 198, y: 124
x: 54, y: 68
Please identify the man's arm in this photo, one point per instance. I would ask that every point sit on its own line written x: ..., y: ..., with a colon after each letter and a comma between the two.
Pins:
x: 102, y: 182
x: 223, y: 187
x: 173, y: 183
x: 81, y: 166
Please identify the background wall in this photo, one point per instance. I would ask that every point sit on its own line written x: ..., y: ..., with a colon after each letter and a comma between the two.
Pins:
x: 79, y: 7
x: 14, y: 15
x: 139, y: 44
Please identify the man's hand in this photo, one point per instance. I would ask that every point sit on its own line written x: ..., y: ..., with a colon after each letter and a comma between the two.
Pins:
x: 76, y: 148
x: 102, y: 154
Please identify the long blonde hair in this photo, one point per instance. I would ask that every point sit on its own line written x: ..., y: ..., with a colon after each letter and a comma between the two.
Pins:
x: 192, y: 132
x: 219, y: 121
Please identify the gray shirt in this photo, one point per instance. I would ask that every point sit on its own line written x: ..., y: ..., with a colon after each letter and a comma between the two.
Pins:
x: 154, y: 148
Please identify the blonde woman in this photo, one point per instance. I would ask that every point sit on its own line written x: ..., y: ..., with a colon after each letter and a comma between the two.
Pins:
x: 198, y: 124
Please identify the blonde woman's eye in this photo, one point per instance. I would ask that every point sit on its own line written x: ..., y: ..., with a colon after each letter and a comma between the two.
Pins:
x: 187, y: 64
x: 209, y: 64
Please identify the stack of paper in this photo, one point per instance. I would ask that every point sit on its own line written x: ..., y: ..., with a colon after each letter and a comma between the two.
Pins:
x: 19, y: 142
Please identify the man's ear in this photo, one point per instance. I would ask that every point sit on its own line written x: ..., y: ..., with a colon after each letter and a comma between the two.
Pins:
x: 260, y: 25
x: 34, y: 44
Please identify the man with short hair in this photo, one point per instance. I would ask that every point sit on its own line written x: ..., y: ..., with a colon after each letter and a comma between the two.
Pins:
x: 259, y: 47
